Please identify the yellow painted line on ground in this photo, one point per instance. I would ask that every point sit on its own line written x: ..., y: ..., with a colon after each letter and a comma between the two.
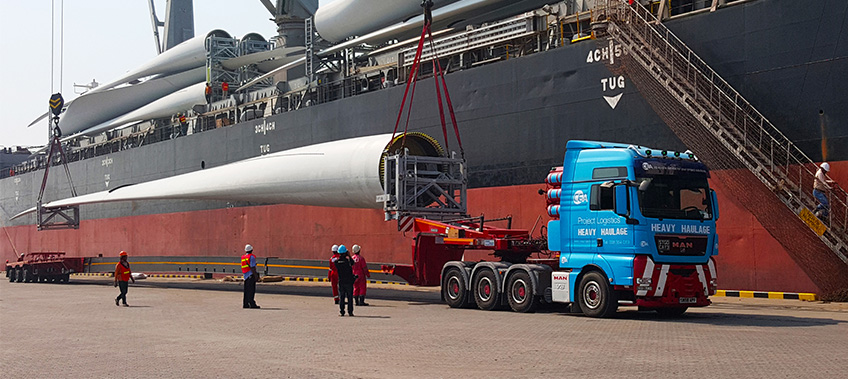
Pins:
x: 172, y: 263
x: 295, y: 266
x: 302, y: 279
x: 225, y: 264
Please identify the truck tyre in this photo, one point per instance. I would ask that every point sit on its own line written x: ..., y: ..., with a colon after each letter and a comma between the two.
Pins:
x: 595, y: 297
x: 671, y: 312
x: 486, y: 290
x: 520, y: 293
x: 27, y: 275
x: 13, y: 275
x: 454, y: 289
x: 66, y: 277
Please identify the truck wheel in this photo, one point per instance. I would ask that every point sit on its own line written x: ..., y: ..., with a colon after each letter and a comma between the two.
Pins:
x: 595, y: 297
x: 27, y: 275
x: 13, y: 275
x: 66, y: 278
x: 671, y: 312
x: 453, y: 289
x: 486, y: 290
x: 521, y: 294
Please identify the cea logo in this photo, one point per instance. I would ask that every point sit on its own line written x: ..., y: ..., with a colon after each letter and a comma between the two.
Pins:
x: 580, y: 198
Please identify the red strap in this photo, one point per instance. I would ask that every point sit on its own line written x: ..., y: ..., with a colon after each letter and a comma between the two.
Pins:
x: 412, y: 74
x: 439, y: 93
x: 437, y: 75
x: 440, y: 73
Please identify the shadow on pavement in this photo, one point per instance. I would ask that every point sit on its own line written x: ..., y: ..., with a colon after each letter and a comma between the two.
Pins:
x: 414, y: 297
x: 730, y: 319
x: 371, y: 317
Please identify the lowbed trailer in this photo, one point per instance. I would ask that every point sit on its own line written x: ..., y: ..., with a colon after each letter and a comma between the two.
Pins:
x: 43, y: 267
x: 630, y: 226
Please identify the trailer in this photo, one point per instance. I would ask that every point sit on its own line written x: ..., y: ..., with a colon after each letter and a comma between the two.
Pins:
x: 51, y: 267
x: 629, y: 226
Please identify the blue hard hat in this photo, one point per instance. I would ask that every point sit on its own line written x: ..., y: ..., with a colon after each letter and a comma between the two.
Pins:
x: 342, y: 249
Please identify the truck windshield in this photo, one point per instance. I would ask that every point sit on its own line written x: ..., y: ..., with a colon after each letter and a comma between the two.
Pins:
x: 675, y: 197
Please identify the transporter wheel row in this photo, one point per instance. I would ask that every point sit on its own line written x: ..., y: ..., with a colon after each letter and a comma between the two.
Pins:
x: 594, y: 296
x: 25, y: 274
x: 486, y: 293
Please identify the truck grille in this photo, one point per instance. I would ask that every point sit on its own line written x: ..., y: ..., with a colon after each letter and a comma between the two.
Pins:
x: 681, y: 245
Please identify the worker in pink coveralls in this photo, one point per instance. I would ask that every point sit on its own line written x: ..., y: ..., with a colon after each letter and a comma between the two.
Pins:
x: 333, y: 274
x: 360, y: 269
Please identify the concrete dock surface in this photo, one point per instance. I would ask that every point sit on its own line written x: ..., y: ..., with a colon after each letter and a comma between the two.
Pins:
x: 197, y: 328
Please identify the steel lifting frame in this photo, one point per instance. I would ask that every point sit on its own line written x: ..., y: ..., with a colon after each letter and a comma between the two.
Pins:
x: 66, y: 217
x: 432, y: 187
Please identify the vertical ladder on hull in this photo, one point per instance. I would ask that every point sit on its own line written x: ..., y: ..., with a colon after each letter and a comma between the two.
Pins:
x: 309, y: 33
x: 764, y: 167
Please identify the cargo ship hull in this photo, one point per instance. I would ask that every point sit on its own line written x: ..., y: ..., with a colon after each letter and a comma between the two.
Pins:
x: 515, y: 117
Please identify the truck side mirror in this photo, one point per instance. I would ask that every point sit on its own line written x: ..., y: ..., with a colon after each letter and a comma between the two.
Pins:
x: 644, y: 185
x: 622, y: 201
x: 714, y: 201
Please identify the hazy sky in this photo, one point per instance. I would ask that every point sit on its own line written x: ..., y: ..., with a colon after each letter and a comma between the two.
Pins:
x: 103, y: 38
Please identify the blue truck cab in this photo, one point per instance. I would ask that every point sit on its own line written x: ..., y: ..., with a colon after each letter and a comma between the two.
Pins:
x: 633, y: 226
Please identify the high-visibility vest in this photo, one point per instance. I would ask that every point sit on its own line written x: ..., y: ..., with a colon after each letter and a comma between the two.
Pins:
x: 122, y: 273
x: 245, y: 263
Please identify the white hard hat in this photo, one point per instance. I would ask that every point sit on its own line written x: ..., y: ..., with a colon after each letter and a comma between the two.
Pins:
x: 356, y: 249
x: 825, y: 166
x: 248, y: 248
x: 335, y: 248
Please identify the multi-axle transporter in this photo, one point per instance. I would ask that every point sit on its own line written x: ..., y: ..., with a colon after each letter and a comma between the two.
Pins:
x: 631, y: 226
x: 43, y: 267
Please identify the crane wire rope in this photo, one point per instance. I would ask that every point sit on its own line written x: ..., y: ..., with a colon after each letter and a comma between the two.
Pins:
x: 53, y: 44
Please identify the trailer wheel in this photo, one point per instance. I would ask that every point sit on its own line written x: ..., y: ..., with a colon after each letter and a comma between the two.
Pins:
x: 521, y: 294
x: 486, y: 290
x: 454, y: 290
x: 595, y: 297
x: 66, y: 277
x: 27, y: 275
x: 671, y: 312
x: 13, y: 275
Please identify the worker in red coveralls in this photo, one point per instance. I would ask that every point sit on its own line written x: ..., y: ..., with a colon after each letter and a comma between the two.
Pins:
x: 360, y: 269
x: 333, y: 275
x: 123, y: 275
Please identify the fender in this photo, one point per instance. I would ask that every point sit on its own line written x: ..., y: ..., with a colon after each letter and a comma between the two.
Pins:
x: 540, y: 276
x: 617, y: 268
x: 577, y: 275
x: 494, y: 266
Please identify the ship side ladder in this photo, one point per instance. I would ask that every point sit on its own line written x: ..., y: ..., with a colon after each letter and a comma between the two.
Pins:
x: 756, y: 162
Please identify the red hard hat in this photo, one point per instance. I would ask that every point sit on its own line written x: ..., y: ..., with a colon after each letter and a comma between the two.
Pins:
x: 123, y: 254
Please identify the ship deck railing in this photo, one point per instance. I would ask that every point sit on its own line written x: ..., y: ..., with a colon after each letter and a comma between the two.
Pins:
x: 366, y: 79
